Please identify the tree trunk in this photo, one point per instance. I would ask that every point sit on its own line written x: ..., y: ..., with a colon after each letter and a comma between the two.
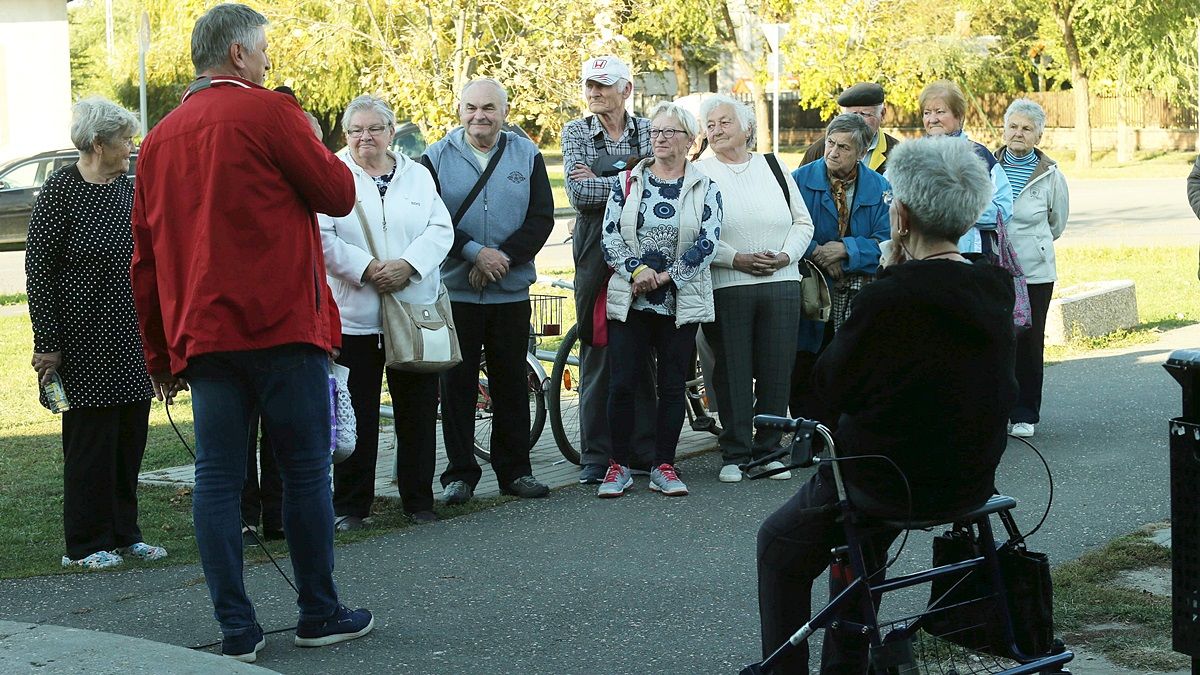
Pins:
x: 762, y: 116
x: 1079, y: 85
x: 683, y: 81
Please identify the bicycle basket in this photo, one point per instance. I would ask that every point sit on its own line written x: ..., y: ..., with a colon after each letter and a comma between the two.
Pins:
x: 546, y: 314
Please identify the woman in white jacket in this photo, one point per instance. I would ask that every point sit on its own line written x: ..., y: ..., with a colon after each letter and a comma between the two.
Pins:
x: 1040, y: 208
x: 398, y: 201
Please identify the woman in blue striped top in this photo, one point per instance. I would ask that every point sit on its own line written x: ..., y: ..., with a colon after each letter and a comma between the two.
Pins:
x: 1040, y: 208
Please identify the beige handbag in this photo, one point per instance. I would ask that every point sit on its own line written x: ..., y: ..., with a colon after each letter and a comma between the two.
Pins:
x: 416, y: 338
x: 815, y: 301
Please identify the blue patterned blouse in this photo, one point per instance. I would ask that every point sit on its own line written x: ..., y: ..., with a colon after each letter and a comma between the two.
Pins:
x: 658, y: 239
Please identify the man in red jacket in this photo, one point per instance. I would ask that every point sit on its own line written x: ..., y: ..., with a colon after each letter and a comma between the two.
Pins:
x: 229, y: 283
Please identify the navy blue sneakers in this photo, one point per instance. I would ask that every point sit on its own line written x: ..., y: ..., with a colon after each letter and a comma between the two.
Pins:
x: 244, y: 647
x: 345, y: 624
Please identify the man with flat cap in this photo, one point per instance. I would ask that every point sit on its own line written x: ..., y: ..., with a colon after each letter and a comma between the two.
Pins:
x: 864, y: 99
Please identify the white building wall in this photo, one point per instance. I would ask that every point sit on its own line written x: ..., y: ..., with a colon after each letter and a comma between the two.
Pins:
x: 35, y: 77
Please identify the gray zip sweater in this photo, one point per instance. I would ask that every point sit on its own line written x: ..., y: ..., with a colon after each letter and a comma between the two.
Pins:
x: 514, y: 213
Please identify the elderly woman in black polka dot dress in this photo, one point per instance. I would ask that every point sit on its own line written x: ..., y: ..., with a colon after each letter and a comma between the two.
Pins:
x: 85, y: 329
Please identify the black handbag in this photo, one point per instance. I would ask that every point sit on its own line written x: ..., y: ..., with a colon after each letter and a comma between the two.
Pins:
x: 963, y: 606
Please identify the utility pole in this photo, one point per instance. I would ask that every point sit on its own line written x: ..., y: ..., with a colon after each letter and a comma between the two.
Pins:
x: 108, y: 30
x: 143, y: 47
x: 775, y: 33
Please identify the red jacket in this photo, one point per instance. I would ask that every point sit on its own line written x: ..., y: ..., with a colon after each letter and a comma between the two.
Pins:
x: 227, y: 255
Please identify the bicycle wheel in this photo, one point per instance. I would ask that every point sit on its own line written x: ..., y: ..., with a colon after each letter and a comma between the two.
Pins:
x: 697, y: 401
x: 484, y: 411
x: 563, y: 396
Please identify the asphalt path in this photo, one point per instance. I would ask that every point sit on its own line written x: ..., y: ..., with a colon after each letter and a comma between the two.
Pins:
x: 1151, y: 211
x: 645, y: 583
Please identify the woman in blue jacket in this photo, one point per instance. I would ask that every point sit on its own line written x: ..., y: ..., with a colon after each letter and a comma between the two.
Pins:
x: 850, y: 218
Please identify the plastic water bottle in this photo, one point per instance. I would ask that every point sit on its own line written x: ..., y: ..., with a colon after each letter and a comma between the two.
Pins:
x: 56, y: 394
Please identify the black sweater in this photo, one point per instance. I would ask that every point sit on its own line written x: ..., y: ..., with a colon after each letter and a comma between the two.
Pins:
x: 922, y: 372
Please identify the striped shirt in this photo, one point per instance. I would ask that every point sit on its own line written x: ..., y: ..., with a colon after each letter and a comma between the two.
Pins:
x: 1018, y: 169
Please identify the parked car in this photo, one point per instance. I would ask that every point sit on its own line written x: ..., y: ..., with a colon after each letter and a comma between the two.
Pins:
x: 20, y: 183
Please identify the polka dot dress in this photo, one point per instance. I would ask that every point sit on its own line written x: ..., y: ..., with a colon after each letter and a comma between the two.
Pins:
x: 77, y: 259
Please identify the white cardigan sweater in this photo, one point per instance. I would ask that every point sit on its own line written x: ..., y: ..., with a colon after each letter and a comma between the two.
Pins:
x: 757, y: 218
x: 409, y: 223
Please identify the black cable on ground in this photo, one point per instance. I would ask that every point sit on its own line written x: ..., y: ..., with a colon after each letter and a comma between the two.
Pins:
x: 245, y: 528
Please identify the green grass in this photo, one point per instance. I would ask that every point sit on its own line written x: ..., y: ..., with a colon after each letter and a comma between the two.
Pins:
x: 13, y: 299
x: 1164, y: 278
x: 1130, y: 627
x: 31, y: 465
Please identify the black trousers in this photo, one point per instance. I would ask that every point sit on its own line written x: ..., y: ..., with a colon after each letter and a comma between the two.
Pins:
x: 262, y: 494
x: 1031, y: 348
x: 804, y: 400
x: 102, y: 455
x: 414, y: 400
x: 629, y: 345
x: 501, y: 332
x: 793, y: 550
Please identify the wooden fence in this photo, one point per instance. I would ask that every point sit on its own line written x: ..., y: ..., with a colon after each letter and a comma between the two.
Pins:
x: 1160, y: 124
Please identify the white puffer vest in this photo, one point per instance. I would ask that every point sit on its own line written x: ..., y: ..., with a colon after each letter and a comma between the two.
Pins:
x: 694, y: 300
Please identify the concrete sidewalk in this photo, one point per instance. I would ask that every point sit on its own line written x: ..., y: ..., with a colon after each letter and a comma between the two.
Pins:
x: 645, y: 583
x: 47, y: 649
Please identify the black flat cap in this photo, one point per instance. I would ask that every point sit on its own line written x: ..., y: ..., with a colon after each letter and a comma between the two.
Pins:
x: 863, y: 93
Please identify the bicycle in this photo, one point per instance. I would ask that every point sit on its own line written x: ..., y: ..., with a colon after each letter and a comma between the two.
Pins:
x: 892, y: 643
x: 563, y: 397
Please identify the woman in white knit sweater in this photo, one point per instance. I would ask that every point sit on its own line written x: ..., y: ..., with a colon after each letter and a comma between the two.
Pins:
x: 756, y: 282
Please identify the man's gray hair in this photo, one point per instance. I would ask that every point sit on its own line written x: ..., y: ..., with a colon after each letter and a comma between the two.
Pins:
x: 484, y: 80
x: 1029, y: 108
x: 97, y: 119
x: 219, y: 28
x: 942, y: 182
x: 855, y: 126
x: 368, y: 103
x: 684, y: 118
x: 743, y: 112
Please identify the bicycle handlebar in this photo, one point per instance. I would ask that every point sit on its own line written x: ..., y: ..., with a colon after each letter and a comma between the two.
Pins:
x: 802, y: 452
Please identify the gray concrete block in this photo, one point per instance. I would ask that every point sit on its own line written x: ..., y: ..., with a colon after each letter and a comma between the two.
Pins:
x: 1091, y: 310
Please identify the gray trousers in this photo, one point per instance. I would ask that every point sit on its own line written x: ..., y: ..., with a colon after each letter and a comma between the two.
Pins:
x: 595, y: 443
x: 754, y: 342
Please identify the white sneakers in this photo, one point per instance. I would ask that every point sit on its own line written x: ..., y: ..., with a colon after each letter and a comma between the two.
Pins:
x: 782, y: 475
x: 1022, y: 430
x: 730, y: 473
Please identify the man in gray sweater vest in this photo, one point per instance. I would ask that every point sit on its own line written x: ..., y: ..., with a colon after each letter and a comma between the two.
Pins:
x: 488, y: 272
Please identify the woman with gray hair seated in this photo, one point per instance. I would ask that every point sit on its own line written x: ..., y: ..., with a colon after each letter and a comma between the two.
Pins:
x: 756, y: 283
x: 1040, y: 208
x: 85, y: 334
x: 921, y: 373
x: 661, y: 229
x: 850, y: 219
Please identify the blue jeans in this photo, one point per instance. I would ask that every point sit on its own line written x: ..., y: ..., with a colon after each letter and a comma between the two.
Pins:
x: 289, y: 387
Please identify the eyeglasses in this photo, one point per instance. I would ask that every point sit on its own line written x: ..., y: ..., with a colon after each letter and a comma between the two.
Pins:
x: 667, y: 134
x: 864, y: 114
x: 374, y: 130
